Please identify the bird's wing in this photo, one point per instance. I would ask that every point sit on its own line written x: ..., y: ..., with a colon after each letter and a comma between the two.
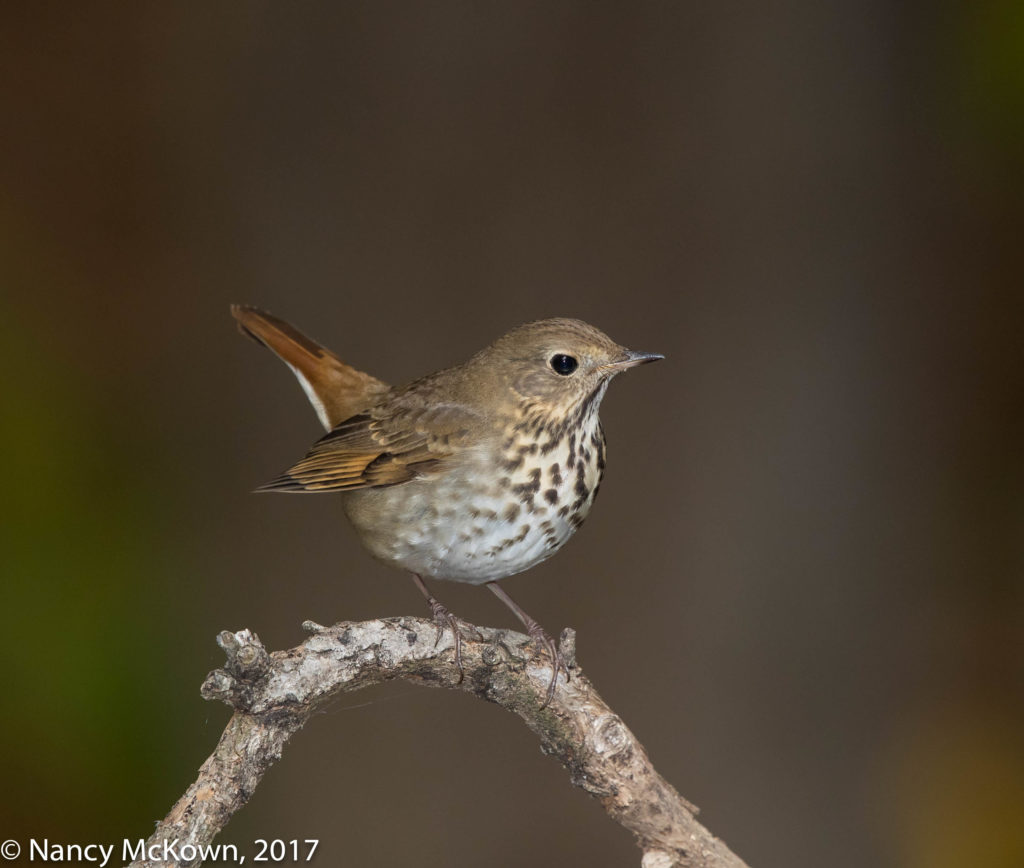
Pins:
x: 384, y: 446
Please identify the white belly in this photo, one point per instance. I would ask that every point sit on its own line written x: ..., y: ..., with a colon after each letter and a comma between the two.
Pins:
x: 464, y: 530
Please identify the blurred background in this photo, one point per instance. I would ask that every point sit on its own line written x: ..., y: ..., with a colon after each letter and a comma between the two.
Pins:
x: 802, y: 584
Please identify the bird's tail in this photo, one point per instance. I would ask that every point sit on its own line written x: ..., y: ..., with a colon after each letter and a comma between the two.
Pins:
x: 337, y: 391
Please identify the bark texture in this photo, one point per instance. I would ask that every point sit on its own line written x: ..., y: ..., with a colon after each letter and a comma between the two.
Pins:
x: 274, y: 694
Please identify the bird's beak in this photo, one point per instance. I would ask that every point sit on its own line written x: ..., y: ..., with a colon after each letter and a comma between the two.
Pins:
x: 631, y: 361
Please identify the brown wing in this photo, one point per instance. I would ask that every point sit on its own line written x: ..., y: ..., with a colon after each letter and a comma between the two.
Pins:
x: 336, y: 390
x: 387, y: 446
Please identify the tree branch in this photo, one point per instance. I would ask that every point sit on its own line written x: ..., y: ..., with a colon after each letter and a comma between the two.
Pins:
x: 274, y: 695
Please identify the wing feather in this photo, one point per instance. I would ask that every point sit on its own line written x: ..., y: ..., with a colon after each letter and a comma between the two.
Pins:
x: 382, y: 447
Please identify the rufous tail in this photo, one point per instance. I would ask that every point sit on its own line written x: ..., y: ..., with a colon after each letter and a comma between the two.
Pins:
x: 337, y: 391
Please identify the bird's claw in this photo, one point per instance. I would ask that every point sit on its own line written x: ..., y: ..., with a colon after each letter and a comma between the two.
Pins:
x: 543, y: 640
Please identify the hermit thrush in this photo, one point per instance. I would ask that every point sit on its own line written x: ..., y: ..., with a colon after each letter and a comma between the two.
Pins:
x: 470, y: 474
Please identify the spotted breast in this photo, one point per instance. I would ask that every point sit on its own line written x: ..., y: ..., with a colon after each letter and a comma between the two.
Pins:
x: 503, y: 511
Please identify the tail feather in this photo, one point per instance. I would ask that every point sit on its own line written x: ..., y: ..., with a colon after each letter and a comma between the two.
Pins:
x: 337, y: 391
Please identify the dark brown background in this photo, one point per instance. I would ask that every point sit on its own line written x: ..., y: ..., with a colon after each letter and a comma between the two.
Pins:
x: 802, y: 584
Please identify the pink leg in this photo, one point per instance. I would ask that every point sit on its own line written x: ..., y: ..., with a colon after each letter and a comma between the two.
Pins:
x: 538, y: 634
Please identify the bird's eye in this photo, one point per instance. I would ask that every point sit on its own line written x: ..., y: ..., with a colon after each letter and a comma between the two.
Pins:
x: 563, y: 364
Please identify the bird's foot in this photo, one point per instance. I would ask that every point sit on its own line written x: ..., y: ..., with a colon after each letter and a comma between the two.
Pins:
x: 539, y: 637
x: 444, y: 618
x: 558, y: 663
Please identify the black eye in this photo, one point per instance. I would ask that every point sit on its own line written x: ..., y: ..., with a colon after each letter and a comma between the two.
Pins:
x: 564, y: 365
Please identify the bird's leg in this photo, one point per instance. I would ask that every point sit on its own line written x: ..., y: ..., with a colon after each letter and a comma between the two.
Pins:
x: 539, y: 635
x: 442, y: 617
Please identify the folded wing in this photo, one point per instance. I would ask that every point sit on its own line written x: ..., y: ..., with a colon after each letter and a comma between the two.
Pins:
x: 379, y: 448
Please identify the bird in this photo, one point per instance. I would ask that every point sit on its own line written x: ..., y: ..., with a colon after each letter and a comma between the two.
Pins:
x: 470, y: 474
